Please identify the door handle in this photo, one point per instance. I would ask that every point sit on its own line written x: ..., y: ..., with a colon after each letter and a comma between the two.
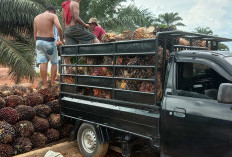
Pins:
x: 179, y: 112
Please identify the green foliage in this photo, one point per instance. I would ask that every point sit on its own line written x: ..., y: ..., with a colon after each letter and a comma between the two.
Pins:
x: 203, y: 30
x: 101, y: 9
x: 128, y: 18
x: 16, y: 43
x: 18, y: 57
x: 208, y: 31
x: 169, y: 19
x: 223, y: 47
x: 18, y: 14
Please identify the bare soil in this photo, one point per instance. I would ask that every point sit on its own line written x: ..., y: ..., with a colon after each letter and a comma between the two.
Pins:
x: 6, y: 79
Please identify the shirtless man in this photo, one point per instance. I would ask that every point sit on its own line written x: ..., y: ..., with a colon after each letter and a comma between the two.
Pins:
x: 45, y: 43
x: 73, y: 25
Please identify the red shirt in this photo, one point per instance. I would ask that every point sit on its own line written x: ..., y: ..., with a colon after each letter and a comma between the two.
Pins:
x: 68, y: 16
x: 98, y: 32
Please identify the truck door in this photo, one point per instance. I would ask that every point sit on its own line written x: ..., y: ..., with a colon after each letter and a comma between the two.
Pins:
x: 193, y: 123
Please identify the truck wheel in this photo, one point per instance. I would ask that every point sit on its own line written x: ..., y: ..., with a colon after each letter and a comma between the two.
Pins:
x: 88, y: 142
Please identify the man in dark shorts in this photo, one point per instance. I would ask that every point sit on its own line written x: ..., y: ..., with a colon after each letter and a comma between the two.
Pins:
x: 75, y: 31
x: 45, y: 43
x: 74, y: 28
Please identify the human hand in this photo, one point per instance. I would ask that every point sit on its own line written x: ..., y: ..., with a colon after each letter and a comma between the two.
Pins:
x: 58, y: 43
x: 86, y: 25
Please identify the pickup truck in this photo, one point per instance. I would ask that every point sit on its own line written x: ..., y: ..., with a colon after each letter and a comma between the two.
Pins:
x: 190, y: 117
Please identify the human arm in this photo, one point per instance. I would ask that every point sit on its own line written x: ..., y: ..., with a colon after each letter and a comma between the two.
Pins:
x: 59, y: 29
x: 76, y: 13
x: 63, y: 19
x: 35, y: 31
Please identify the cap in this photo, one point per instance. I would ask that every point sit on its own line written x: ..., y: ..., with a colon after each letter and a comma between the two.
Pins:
x: 93, y: 20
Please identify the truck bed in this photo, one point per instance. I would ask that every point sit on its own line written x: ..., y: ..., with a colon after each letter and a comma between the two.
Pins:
x: 138, y: 122
x: 111, y: 82
x: 127, y: 110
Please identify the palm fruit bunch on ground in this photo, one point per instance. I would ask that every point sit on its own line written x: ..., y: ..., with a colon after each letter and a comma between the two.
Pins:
x: 6, y: 91
x: 6, y: 150
x: 22, y: 145
x: 29, y: 119
x: 14, y: 100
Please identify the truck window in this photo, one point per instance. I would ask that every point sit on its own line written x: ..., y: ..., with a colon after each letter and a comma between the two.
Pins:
x: 198, y: 81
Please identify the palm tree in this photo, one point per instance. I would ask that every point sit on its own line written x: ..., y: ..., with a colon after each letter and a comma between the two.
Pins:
x: 208, y: 31
x: 16, y: 35
x: 16, y: 31
x: 128, y: 18
x: 169, y: 19
x: 113, y: 16
x: 16, y: 44
x: 203, y: 30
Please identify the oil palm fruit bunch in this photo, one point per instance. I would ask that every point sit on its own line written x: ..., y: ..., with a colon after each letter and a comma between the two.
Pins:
x: 22, y: 145
x: 69, y: 79
x: 7, y: 132
x: 143, y: 33
x: 9, y: 114
x: 6, y: 150
x: 14, y: 100
x: 148, y: 87
x: 38, y: 140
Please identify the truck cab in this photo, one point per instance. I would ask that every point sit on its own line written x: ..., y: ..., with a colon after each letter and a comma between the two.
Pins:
x: 196, y: 118
x: 185, y: 109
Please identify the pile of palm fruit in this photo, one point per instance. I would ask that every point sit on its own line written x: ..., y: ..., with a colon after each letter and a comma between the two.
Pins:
x: 149, y: 33
x: 29, y: 119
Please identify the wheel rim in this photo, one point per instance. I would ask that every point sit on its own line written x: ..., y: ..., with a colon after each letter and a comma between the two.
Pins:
x: 89, y: 140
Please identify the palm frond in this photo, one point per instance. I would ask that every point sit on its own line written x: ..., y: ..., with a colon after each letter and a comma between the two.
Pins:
x: 18, y: 57
x: 170, y: 19
x: 179, y: 24
x: 129, y: 18
x: 18, y: 14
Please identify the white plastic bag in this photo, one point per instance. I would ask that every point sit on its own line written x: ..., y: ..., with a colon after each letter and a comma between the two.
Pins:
x: 53, y: 154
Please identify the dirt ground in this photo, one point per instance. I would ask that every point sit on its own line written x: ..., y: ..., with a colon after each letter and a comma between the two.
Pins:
x: 73, y: 152
x: 5, y: 79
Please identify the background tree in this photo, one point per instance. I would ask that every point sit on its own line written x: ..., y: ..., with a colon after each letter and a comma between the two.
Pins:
x: 16, y: 44
x: 169, y: 19
x: 128, y: 18
x: 203, y: 30
x: 208, y: 31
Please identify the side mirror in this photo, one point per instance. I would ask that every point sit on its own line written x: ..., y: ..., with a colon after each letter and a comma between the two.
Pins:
x: 225, y: 93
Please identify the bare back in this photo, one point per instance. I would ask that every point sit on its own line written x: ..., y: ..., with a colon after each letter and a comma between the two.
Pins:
x: 74, y: 9
x: 44, y: 24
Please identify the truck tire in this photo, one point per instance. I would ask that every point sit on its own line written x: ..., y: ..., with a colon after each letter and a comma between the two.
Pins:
x: 88, y: 142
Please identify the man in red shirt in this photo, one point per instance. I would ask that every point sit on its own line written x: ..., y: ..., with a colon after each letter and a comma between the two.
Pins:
x: 98, y: 31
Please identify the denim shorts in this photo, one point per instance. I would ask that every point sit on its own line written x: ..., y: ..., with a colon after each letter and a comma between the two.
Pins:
x: 46, y: 50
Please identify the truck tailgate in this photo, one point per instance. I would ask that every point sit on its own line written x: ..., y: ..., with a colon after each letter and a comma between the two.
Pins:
x: 139, y: 122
